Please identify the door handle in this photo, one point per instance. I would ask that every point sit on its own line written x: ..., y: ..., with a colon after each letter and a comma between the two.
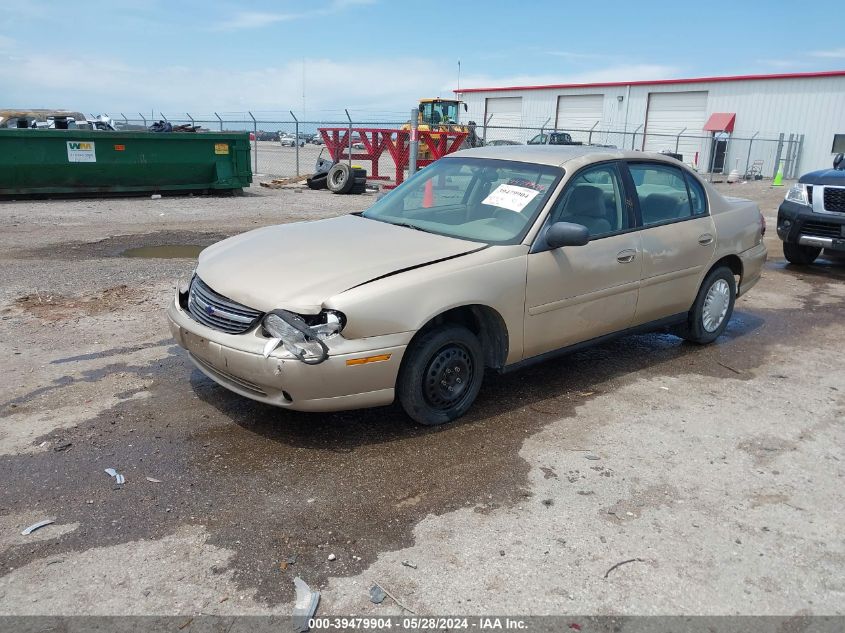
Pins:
x: 626, y: 256
x: 705, y: 239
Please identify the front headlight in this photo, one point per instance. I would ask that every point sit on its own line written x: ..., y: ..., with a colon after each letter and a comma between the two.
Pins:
x: 303, y: 337
x: 798, y: 193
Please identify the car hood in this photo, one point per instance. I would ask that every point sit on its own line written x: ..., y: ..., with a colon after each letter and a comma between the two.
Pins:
x: 299, y: 266
x: 825, y: 177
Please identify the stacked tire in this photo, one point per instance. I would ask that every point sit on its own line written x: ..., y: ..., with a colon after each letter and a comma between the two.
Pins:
x: 345, y: 179
x: 317, y: 181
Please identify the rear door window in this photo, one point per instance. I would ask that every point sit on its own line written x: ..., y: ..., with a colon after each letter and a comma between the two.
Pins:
x: 662, y: 193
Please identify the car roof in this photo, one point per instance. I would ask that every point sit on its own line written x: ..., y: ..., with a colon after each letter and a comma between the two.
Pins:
x: 559, y: 155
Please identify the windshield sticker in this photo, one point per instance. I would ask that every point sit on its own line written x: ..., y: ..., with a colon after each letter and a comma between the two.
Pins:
x: 523, y: 182
x: 511, y: 197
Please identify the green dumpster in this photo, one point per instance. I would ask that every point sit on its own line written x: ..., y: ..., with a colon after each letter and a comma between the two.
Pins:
x: 62, y: 162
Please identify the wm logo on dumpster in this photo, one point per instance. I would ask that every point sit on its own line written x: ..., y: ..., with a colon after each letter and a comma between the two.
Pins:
x: 81, y: 152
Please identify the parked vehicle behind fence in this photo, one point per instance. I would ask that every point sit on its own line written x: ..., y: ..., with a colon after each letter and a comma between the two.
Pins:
x: 290, y: 141
x: 553, y: 138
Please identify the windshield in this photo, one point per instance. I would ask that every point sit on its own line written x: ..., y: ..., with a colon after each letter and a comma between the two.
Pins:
x: 440, y: 112
x: 483, y: 200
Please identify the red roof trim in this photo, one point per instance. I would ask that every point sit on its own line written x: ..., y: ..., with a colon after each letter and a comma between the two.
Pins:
x: 663, y: 82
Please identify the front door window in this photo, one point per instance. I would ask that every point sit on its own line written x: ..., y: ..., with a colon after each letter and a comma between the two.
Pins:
x: 594, y: 199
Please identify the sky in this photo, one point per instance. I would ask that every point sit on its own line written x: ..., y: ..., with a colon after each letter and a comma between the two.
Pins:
x: 378, y: 57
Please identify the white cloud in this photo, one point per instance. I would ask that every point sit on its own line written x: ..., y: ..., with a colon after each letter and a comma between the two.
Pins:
x: 625, y: 72
x: 256, y: 19
x: 365, y: 86
x: 260, y: 19
x: 783, y: 64
x: 573, y: 56
x: 97, y: 85
x: 835, y: 53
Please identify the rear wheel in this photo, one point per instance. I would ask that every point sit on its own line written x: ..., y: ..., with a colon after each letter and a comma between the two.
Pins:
x: 441, y: 375
x: 712, y: 309
x: 800, y: 254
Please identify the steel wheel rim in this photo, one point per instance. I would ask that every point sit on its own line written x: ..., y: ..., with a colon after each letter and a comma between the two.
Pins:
x: 715, y: 306
x: 338, y: 177
x: 448, y: 376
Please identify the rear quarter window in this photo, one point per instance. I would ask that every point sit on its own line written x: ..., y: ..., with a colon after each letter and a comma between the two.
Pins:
x: 698, y: 199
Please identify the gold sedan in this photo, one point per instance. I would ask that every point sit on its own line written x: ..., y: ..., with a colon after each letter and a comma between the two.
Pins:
x: 490, y: 258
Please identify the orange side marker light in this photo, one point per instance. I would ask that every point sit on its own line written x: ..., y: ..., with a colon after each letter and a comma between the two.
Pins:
x: 369, y: 359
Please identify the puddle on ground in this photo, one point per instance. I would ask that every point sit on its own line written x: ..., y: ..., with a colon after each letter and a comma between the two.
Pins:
x: 165, y: 251
x: 158, y: 245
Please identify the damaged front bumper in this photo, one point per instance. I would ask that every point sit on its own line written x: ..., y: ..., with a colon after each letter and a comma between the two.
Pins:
x: 357, y: 374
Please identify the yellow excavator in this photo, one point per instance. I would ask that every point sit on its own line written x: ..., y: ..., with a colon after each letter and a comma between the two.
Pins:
x: 436, y: 115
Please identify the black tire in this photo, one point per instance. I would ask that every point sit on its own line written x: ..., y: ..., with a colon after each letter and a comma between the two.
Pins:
x: 696, y: 329
x: 340, y: 179
x: 318, y: 181
x: 447, y: 357
x: 799, y: 254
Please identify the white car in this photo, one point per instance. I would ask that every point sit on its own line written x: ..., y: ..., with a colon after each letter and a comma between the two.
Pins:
x: 290, y: 141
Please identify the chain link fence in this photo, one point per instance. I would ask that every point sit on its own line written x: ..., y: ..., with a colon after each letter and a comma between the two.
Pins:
x: 711, y: 155
x: 288, y: 147
x: 281, y: 148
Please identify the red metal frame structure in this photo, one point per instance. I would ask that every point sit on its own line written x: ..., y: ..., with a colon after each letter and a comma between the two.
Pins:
x: 396, y: 142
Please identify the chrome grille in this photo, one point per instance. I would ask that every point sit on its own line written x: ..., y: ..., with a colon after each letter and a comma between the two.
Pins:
x: 218, y: 312
x: 834, y: 199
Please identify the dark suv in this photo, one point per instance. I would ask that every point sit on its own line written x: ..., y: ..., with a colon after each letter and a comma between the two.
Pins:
x: 554, y: 138
x: 812, y: 216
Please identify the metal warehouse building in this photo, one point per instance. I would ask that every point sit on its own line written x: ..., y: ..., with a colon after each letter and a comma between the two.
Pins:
x: 750, y: 123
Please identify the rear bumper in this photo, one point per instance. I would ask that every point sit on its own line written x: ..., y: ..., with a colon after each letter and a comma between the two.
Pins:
x: 799, y: 224
x: 237, y: 363
x: 752, y: 267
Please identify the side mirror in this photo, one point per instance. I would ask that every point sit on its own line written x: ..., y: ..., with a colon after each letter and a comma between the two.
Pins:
x: 838, y: 161
x: 567, y: 234
x: 466, y: 108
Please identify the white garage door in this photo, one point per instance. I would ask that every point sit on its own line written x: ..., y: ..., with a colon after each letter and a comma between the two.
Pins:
x: 506, y: 112
x: 579, y: 112
x: 668, y: 114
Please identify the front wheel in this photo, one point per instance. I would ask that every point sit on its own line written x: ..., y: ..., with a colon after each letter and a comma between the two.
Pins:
x: 441, y: 375
x: 712, y: 309
x: 800, y: 254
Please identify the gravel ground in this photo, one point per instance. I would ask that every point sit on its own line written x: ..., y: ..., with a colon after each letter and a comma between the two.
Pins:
x: 718, y: 469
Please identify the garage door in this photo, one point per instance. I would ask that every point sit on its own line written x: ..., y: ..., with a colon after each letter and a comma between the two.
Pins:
x: 507, y: 113
x: 668, y: 114
x: 579, y: 112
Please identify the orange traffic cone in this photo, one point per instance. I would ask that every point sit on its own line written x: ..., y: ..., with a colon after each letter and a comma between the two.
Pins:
x: 428, y: 195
